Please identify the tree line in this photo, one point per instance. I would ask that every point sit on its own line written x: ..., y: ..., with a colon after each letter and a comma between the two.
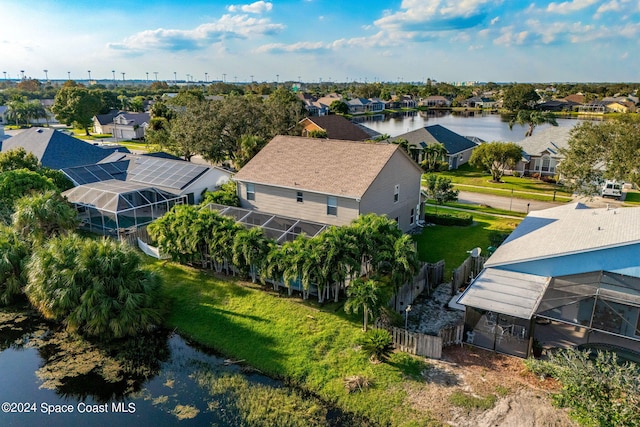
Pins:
x: 371, y: 253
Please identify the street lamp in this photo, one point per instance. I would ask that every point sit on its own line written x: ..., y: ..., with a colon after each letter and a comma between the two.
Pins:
x: 156, y: 73
x: 89, y: 71
x: 147, y: 77
x: 206, y: 79
x: 21, y: 74
x: 406, y: 317
x: 175, y: 78
x: 123, y: 76
x: 69, y: 74
x: 46, y: 75
x: 5, y: 75
x: 224, y: 78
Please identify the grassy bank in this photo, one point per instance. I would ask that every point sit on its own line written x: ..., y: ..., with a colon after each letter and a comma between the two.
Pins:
x: 452, y: 243
x: 313, y: 347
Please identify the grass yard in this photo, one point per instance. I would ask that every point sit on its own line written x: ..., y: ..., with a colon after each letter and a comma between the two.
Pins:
x: 313, y: 347
x: 452, y: 243
x: 468, y: 178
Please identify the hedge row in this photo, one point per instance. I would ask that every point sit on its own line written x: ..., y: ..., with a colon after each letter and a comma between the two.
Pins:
x: 446, y: 219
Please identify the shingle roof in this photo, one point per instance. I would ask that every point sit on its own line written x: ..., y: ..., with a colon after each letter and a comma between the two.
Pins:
x: 105, y: 119
x: 574, y: 228
x: 136, y: 118
x: 337, y: 127
x: 453, y: 142
x: 57, y: 150
x: 551, y: 139
x: 342, y: 168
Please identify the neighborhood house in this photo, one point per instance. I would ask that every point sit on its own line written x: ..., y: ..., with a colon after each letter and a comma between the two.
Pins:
x: 567, y: 276
x: 331, y: 181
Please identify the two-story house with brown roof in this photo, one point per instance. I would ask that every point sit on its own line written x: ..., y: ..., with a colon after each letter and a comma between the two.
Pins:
x: 331, y: 181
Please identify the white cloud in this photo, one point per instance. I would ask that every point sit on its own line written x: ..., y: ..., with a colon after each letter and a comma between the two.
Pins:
x: 257, y: 7
x: 570, y: 6
x: 495, y: 20
x: 227, y: 27
x: 508, y: 37
x: 295, y: 47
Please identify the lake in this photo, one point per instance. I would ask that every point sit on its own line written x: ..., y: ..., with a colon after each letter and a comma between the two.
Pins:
x: 484, y: 125
x: 50, y: 378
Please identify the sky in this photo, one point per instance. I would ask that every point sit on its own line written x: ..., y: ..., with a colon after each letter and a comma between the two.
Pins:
x: 323, y: 40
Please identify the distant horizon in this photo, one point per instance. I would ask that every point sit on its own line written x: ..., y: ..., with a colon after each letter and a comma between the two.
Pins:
x: 581, y: 41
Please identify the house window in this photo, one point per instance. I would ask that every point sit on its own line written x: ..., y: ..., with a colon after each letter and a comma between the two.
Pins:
x: 396, y: 194
x: 251, y: 191
x: 411, y: 218
x: 545, y: 163
x: 332, y: 205
x: 299, y: 197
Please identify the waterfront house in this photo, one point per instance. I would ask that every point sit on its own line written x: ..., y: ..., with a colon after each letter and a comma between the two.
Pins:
x: 331, y: 181
x: 458, y: 148
x: 541, y: 151
x: 335, y: 126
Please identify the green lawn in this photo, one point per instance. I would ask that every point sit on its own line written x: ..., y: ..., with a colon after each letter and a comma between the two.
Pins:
x: 452, y: 243
x: 632, y: 198
x: 313, y: 347
x: 468, y: 178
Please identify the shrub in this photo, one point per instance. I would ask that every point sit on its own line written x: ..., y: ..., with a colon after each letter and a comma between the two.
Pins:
x: 357, y: 383
x: 496, y: 238
x: 444, y: 219
x: 377, y: 344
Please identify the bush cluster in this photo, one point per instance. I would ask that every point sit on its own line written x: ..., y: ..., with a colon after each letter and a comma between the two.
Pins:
x: 445, y: 219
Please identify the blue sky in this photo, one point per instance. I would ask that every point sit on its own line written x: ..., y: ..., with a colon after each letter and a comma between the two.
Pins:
x: 332, y: 40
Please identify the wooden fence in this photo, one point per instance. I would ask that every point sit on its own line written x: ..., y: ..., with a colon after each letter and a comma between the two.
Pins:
x: 467, y: 271
x: 425, y: 345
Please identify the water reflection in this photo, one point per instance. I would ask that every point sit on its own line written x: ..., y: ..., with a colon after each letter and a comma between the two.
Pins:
x: 163, y: 378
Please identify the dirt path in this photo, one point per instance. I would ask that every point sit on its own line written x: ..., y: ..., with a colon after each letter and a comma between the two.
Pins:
x: 521, y: 399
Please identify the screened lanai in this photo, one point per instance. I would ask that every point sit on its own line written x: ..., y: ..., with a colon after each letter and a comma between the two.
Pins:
x: 276, y: 227
x: 116, y: 207
x: 507, y: 310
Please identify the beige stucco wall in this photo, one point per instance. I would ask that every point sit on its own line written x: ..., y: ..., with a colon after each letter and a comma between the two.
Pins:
x: 400, y: 170
x: 283, y: 201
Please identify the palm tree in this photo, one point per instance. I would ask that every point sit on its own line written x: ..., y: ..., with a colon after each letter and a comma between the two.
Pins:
x: 14, y: 253
x: 97, y: 288
x: 433, y: 153
x: 405, y: 262
x: 533, y: 118
x: 220, y: 242
x: 363, y: 295
x: 341, y: 258
x: 43, y: 215
x: 250, y: 250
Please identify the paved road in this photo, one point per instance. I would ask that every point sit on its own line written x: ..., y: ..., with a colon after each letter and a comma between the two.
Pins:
x: 522, y: 205
x: 506, y: 203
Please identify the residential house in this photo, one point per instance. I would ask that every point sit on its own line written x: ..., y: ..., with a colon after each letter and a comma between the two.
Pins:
x: 557, y: 105
x: 567, y: 276
x: 57, y: 150
x: 362, y: 105
x: 541, y: 151
x: 401, y: 101
x: 436, y: 101
x: 335, y: 126
x: 458, y: 148
x: 479, y: 102
x: 594, y: 107
x: 103, y: 123
x: 126, y: 191
x: 130, y: 125
x: 313, y: 106
x: 621, y: 107
x: 331, y: 181
x: 578, y: 98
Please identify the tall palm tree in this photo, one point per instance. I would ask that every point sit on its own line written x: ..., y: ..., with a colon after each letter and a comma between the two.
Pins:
x: 249, y: 250
x: 363, y: 295
x: 433, y: 153
x: 405, y: 262
x: 532, y: 118
x: 13, y: 254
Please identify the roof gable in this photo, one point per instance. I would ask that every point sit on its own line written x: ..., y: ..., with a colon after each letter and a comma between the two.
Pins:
x: 57, y: 150
x: 337, y: 167
x: 337, y: 127
x: 454, y: 143
x: 551, y: 140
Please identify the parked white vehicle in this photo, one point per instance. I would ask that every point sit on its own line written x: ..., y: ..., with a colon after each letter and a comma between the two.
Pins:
x: 611, y: 189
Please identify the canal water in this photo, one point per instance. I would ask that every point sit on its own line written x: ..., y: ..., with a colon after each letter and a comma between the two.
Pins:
x: 484, y: 125
x: 49, y: 378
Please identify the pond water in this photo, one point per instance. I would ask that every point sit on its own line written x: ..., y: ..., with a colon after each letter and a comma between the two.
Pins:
x: 49, y: 378
x: 484, y: 125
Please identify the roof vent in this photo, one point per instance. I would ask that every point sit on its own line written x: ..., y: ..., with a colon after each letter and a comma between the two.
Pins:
x: 40, y: 131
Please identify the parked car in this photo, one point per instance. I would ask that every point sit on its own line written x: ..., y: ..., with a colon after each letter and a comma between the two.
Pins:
x: 611, y: 189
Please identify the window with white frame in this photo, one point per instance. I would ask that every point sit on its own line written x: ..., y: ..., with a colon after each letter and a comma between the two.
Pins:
x: 332, y: 205
x: 251, y: 191
x: 396, y: 194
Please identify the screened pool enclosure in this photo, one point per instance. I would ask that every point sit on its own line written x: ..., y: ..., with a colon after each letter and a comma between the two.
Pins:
x: 116, y: 208
x: 507, y: 310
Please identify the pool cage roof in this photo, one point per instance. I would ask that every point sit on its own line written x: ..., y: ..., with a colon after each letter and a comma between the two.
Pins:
x: 276, y: 227
x: 117, y: 196
x: 526, y: 295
